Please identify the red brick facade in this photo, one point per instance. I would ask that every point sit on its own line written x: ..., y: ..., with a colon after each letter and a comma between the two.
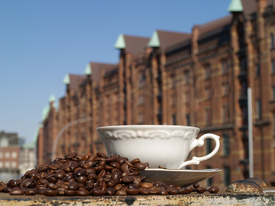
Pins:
x: 197, y: 79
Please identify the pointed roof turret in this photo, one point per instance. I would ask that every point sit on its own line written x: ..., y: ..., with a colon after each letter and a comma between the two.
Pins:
x: 120, y: 42
x: 235, y: 6
x: 66, y: 79
x: 88, y: 69
x: 52, y: 98
x: 154, y: 41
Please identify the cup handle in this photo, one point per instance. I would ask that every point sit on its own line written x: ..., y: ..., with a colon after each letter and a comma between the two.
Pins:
x: 200, y: 142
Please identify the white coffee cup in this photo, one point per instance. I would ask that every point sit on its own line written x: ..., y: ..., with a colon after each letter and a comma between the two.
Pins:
x: 160, y: 145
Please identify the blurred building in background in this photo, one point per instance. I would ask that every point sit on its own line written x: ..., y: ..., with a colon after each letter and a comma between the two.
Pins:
x: 27, y: 160
x: 198, y: 79
x: 9, y: 156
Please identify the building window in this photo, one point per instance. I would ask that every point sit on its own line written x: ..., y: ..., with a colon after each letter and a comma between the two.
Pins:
x: 208, y: 146
x: 273, y: 66
x: 258, y: 108
x: 13, y: 154
x: 4, y: 142
x: 226, y: 176
x: 225, y: 89
x: 226, y: 145
x: 173, y: 100
x: 140, y: 118
x: 7, y: 155
x: 207, y: 71
x: 13, y: 164
x: 271, y: 40
x: 225, y: 114
x: 187, y: 98
x: 208, y: 116
x: 7, y: 164
x: 208, y: 92
x: 186, y: 77
x: 225, y: 66
x: 257, y: 70
x: 188, y: 120
x: 142, y: 80
x: 1, y: 164
x: 174, y: 120
x: 141, y: 100
x: 173, y: 81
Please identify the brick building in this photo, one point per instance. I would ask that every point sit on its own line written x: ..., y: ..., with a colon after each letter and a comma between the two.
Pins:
x: 9, y: 156
x: 198, y: 78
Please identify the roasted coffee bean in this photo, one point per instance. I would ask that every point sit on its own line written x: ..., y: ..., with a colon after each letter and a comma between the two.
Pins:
x: 92, y: 176
x: 154, y: 191
x: 70, y: 192
x: 54, y: 166
x: 190, y: 189
x: 163, y: 192
x: 140, y: 166
x: 52, y: 186
x: 200, y: 189
x: 16, y: 191
x: 102, y: 173
x: 80, y: 172
x: 31, y: 191
x: 213, y: 189
x: 196, y: 185
x: 14, y: 183
x: 116, y: 177
x: 121, y: 193
x: 78, y: 158
x: 132, y: 191
x: 27, y: 182
x: 86, y: 157
x: 125, y: 168
x: 184, y: 190
x: 103, y: 185
x: 110, y: 191
x: 121, y: 160
x: 118, y: 187
x: 102, y: 155
x: 144, y: 191
x: 173, y: 191
x: 60, y: 174
x: 89, y: 186
x: 134, y: 161
x: 82, y: 179
x: 147, y: 185
x: 132, y: 186
x: 41, y: 191
x: 73, y: 186
x: 82, y: 192
x: 70, y: 155
x: 111, y: 159
x: 115, y: 165
x: 61, y: 191
x: 128, y: 179
x: 49, y: 192
x: 98, y: 192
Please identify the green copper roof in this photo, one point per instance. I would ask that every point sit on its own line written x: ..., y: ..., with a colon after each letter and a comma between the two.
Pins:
x: 45, y: 112
x: 29, y: 145
x: 154, y: 41
x: 52, y: 98
x: 88, y: 70
x: 120, y: 42
x: 66, y: 79
x: 235, y: 6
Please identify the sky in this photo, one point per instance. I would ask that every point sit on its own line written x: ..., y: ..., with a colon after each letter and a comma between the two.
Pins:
x: 42, y: 41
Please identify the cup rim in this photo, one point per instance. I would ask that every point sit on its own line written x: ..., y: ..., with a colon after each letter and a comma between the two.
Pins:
x: 146, y: 127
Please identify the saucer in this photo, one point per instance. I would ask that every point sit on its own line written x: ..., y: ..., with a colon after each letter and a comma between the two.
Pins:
x: 179, y: 177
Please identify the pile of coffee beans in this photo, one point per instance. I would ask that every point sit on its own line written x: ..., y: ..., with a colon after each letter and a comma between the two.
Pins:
x: 95, y: 175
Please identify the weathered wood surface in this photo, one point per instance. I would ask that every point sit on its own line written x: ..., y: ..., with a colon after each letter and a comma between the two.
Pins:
x: 222, y: 198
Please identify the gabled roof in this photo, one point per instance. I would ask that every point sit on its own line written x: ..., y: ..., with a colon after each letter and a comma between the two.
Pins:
x: 132, y: 44
x: 165, y: 39
x: 249, y: 6
x: 210, y: 26
x: 96, y: 67
x: 75, y: 80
